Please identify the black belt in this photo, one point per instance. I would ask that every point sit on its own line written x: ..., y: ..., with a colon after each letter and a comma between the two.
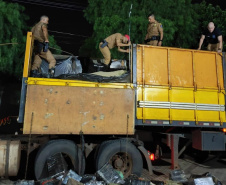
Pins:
x: 152, y: 38
x: 41, y: 46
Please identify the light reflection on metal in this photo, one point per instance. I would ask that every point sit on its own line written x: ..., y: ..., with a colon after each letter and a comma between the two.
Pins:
x: 179, y: 105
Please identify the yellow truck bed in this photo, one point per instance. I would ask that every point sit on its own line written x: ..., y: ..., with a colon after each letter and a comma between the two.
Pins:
x: 167, y: 85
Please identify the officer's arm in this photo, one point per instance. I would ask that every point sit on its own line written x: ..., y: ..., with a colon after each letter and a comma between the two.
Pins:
x: 161, y: 37
x: 123, y: 50
x: 45, y: 32
x: 160, y: 29
x: 220, y: 43
x: 201, y: 41
x: 122, y: 44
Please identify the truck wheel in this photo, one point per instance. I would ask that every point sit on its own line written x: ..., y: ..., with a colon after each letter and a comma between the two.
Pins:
x: 70, y: 152
x: 122, y: 155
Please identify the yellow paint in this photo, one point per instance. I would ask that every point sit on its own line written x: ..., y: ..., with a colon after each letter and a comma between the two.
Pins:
x: 28, y: 54
x: 179, y: 67
x: 185, y: 95
x: 76, y: 83
x: 179, y: 75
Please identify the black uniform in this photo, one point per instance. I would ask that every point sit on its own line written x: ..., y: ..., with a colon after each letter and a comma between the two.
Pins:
x: 212, y: 37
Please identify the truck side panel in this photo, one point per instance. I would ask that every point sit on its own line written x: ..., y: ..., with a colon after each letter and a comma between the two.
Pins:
x: 178, y: 84
x: 52, y: 109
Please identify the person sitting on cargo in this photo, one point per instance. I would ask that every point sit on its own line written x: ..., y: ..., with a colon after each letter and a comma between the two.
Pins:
x: 110, y: 42
x: 154, y: 34
x: 41, y: 50
x: 213, y: 37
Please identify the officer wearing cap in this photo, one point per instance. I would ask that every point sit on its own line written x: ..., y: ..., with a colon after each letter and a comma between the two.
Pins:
x: 214, y: 38
x: 154, y: 34
x: 41, y: 50
x: 114, y: 40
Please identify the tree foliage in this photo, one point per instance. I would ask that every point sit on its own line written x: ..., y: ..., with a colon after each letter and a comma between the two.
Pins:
x: 12, y: 26
x: 182, y: 21
x: 13, y: 29
x: 209, y: 13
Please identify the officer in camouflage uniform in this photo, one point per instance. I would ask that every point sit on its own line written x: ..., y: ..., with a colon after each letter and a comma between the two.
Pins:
x: 114, y: 40
x: 154, y: 32
x: 41, y: 50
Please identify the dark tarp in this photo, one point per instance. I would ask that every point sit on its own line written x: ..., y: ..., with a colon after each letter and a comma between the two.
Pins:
x: 70, y: 67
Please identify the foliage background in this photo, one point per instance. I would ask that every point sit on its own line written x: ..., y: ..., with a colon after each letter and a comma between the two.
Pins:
x: 183, y: 22
x: 13, y: 29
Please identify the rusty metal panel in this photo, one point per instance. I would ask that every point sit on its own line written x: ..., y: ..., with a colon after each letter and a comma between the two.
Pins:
x: 70, y: 110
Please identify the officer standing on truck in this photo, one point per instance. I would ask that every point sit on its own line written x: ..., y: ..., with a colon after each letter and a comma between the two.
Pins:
x: 213, y: 37
x: 110, y: 42
x: 154, y: 34
x: 41, y: 44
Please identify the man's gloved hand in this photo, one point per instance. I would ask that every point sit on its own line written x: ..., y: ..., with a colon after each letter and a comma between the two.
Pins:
x: 46, y: 47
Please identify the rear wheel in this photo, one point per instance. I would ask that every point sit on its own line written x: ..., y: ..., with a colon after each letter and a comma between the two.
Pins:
x: 69, y: 150
x: 122, y: 155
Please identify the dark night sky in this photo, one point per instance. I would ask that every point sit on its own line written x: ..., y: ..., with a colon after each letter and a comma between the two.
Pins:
x: 221, y: 3
x: 67, y: 16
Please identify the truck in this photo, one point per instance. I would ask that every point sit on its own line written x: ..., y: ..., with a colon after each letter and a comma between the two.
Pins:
x: 177, y: 93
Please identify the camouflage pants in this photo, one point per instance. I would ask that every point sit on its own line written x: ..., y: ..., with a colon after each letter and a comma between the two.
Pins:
x: 153, y: 43
x: 213, y: 47
x: 106, y: 53
x: 48, y: 56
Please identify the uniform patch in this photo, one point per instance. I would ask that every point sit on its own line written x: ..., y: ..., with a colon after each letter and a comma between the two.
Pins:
x: 160, y: 25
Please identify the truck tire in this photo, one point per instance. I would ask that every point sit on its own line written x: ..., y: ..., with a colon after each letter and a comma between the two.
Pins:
x: 67, y: 148
x: 122, y: 155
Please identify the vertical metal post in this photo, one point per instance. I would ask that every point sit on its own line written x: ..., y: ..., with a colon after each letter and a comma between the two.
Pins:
x: 130, y: 36
x: 143, y: 84
x: 174, y: 151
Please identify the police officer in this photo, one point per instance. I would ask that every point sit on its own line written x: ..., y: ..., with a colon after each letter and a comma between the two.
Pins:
x: 154, y: 34
x: 41, y: 41
x: 214, y: 38
x: 114, y: 40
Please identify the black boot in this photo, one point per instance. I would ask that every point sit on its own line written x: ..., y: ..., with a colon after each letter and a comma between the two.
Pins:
x: 35, y: 73
x: 51, y: 73
x: 106, y: 68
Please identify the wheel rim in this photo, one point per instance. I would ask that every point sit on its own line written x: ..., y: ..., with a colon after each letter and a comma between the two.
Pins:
x: 122, y: 162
